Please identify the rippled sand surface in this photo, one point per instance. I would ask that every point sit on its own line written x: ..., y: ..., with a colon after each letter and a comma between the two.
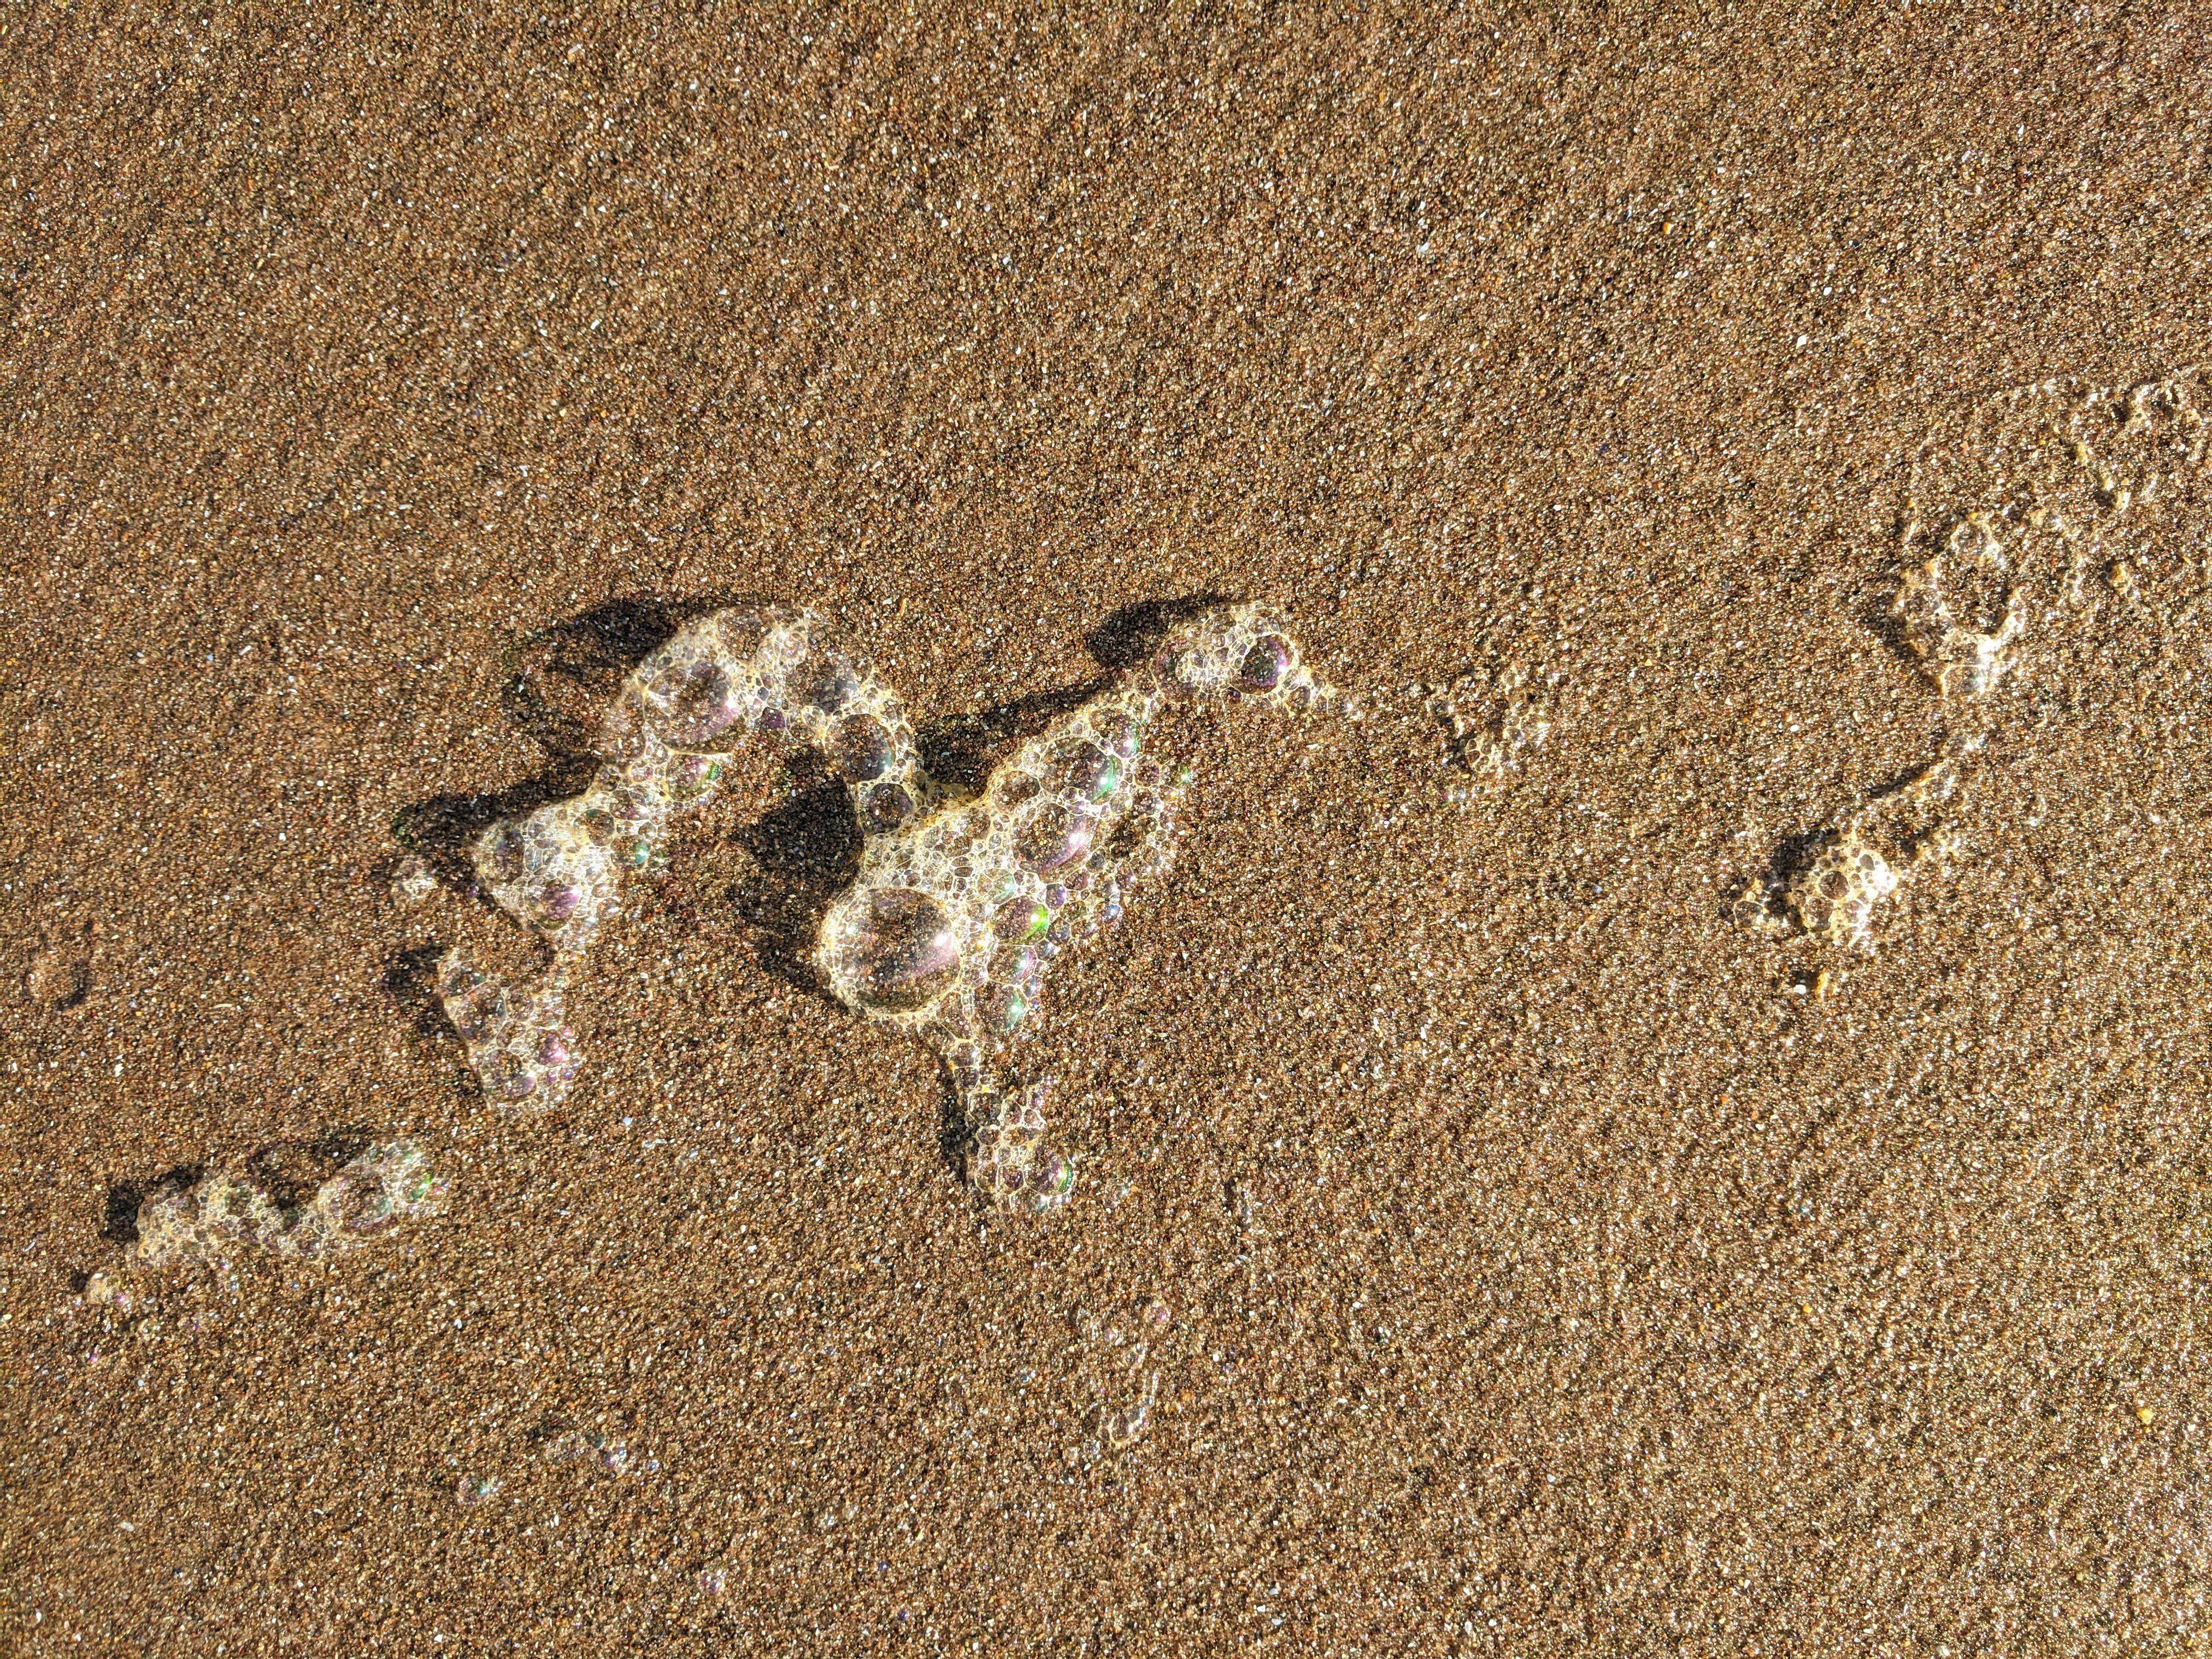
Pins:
x: 1680, y: 1129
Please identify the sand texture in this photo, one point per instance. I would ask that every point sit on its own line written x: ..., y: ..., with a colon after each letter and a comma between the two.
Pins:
x: 1671, y: 1121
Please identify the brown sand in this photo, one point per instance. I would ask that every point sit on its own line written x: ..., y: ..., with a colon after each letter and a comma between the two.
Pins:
x: 1550, y: 1268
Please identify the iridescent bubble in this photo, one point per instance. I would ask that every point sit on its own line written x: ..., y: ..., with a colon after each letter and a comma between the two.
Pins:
x: 1265, y: 663
x: 694, y: 776
x: 905, y: 954
x: 456, y: 977
x: 1089, y: 772
x: 1002, y: 1007
x: 556, y: 1051
x: 558, y: 902
x: 1053, y: 836
x: 1051, y: 1180
x: 1022, y: 919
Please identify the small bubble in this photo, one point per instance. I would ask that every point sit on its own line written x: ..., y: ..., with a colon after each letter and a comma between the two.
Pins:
x: 498, y: 856
x: 473, y: 1489
x: 568, y: 1446
x: 693, y: 777
x: 889, y: 806
x: 412, y: 882
x: 1122, y: 1427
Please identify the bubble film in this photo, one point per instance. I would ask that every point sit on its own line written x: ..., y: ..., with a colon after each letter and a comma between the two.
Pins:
x: 1834, y: 891
x: 2026, y: 511
x: 961, y: 904
x: 1963, y: 660
x: 224, y: 1213
x: 1119, y: 1377
x: 1488, y: 720
x: 588, y: 1447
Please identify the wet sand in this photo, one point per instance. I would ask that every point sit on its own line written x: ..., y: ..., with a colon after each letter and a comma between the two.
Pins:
x: 1520, y: 1253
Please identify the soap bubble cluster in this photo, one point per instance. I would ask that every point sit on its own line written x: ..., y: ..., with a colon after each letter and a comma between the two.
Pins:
x: 1835, y: 893
x: 951, y: 925
x: 2040, y: 494
x: 1834, y: 889
x: 519, y: 1042
x: 225, y: 1212
x: 962, y: 902
x: 664, y: 743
